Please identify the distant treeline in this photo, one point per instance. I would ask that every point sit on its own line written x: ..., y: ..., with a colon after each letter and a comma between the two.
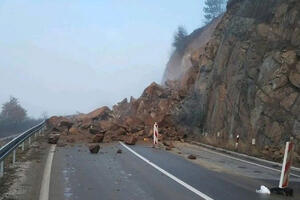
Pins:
x: 14, y: 119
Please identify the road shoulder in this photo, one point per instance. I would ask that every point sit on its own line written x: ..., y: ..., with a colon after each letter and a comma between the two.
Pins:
x: 23, y: 181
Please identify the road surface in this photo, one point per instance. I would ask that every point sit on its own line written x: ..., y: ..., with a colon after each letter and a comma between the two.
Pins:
x: 77, y: 174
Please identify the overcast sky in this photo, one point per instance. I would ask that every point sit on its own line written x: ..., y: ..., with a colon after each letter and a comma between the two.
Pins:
x: 63, y: 56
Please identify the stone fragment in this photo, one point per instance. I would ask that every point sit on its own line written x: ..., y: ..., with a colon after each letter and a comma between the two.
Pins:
x: 131, y: 140
x: 94, y: 148
x: 192, y: 157
x: 53, y: 138
x: 98, y: 138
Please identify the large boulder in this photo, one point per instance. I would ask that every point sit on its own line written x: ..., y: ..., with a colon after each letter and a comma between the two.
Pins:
x: 153, y: 91
x: 66, y: 124
x: 108, y: 125
x: 294, y: 78
x: 53, y: 138
x: 102, y: 113
x: 54, y: 122
x: 74, y: 131
x: 95, y: 130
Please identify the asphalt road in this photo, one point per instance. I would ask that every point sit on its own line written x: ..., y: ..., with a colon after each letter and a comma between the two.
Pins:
x: 77, y: 174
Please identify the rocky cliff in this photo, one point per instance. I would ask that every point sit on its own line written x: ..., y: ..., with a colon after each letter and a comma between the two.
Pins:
x: 246, y: 78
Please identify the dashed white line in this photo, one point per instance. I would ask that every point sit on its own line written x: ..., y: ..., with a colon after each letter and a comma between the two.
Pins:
x: 44, y: 192
x: 189, y: 187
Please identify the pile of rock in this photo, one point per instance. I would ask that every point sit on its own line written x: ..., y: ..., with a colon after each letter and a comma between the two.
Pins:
x: 128, y: 121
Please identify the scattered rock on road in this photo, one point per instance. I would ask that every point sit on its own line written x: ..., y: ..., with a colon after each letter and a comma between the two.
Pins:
x: 192, y: 157
x: 119, y: 151
x: 94, y: 148
x: 53, y: 138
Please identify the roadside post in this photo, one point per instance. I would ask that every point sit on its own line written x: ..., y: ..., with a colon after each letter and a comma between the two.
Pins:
x: 285, y: 171
x: 155, y: 134
x: 237, y: 141
x: 1, y: 168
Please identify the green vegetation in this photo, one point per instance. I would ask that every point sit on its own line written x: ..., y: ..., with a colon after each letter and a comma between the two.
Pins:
x: 180, y: 39
x: 213, y: 8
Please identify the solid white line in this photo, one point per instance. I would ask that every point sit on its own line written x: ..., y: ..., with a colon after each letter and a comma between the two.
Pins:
x: 44, y: 192
x: 248, y: 162
x: 242, y: 155
x: 204, y: 196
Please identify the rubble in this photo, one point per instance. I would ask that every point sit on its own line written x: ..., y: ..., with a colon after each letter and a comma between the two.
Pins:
x: 131, y: 140
x: 98, y: 138
x: 94, y: 148
x: 192, y: 157
x: 119, y: 151
x: 53, y: 138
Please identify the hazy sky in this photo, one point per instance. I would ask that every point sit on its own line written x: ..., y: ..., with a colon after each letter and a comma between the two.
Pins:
x: 63, y: 56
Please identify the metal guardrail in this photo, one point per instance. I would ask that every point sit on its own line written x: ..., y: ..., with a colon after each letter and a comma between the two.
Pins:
x: 12, y: 145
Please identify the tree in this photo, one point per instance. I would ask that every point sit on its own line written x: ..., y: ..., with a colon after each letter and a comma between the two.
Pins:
x: 213, y: 8
x: 180, y: 39
x: 12, y: 111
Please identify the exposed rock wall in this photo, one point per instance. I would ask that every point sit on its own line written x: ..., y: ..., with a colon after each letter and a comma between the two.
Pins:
x: 247, y: 79
x: 180, y: 62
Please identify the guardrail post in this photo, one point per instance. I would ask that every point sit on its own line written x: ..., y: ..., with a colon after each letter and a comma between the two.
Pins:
x: 1, y: 168
x: 14, y: 157
x: 23, y: 146
x: 29, y: 141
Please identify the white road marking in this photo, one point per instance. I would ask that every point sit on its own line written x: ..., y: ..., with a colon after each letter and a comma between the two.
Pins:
x: 248, y: 162
x: 44, y: 192
x: 189, y: 187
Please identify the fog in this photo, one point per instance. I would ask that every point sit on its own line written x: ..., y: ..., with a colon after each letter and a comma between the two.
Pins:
x: 63, y: 56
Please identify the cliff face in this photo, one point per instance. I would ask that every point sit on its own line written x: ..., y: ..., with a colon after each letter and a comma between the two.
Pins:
x: 179, y: 62
x: 246, y: 78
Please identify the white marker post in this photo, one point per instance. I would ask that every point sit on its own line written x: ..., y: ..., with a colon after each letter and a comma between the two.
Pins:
x: 286, y: 166
x: 155, y: 134
x: 283, y: 188
x: 237, y: 141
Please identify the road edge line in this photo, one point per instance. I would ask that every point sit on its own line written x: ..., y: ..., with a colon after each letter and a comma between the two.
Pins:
x: 189, y: 187
x: 45, y: 186
x: 240, y: 154
x: 245, y: 161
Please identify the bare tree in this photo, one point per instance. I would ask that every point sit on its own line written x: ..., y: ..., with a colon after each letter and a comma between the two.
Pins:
x: 13, y: 111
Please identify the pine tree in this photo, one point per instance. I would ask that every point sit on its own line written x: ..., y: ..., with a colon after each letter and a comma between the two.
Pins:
x: 213, y: 8
x: 180, y: 39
